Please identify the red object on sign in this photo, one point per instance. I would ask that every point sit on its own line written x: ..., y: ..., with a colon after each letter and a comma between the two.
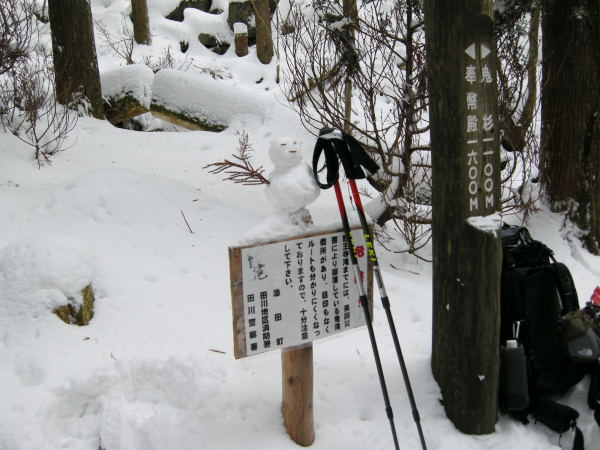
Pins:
x: 360, y: 251
x: 595, y: 298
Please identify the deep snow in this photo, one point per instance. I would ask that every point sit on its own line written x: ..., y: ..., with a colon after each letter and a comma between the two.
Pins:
x: 155, y: 367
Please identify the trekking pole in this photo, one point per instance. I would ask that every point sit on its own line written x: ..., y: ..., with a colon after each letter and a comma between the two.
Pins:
x: 386, y: 306
x: 332, y: 175
x: 353, y: 157
x: 365, y: 306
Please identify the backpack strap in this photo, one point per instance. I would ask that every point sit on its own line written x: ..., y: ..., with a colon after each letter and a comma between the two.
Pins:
x: 578, y: 443
x: 566, y: 288
x: 557, y: 417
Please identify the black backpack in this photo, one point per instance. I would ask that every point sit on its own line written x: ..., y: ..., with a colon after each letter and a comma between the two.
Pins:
x: 536, y: 293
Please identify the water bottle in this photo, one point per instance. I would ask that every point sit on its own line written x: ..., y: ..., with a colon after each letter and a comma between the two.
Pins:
x: 514, y: 393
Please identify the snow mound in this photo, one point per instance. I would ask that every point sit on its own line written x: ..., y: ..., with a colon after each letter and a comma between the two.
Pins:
x: 134, y: 80
x: 204, y: 99
x: 41, y: 272
x: 108, y: 196
x: 121, y: 405
x: 278, y: 226
x: 211, y: 24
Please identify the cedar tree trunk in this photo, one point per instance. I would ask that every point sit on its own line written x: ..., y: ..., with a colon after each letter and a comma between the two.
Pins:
x: 570, y: 154
x: 74, y: 51
x: 350, y: 10
x: 264, y: 38
x: 461, y: 65
x: 139, y: 17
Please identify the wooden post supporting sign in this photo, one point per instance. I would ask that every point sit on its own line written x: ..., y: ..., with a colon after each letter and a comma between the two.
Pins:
x: 297, y: 393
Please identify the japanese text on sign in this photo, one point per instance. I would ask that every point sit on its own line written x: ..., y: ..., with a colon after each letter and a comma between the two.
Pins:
x: 300, y: 290
x: 479, y: 129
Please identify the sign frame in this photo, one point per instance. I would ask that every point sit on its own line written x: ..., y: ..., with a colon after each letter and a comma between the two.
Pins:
x: 237, y: 294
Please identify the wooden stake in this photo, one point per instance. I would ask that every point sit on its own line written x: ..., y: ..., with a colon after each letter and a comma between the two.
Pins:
x: 297, y: 392
x: 240, y: 34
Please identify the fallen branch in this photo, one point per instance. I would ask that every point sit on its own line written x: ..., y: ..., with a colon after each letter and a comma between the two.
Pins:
x: 186, y: 222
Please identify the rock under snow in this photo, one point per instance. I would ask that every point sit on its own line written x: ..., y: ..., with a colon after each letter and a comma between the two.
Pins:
x: 42, y: 272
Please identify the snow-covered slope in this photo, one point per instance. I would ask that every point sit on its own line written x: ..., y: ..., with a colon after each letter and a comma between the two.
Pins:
x: 155, y: 370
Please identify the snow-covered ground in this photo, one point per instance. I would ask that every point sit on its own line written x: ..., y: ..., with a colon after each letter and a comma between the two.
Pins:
x: 155, y: 370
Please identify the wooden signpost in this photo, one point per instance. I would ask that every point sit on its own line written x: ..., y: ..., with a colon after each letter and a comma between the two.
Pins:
x: 466, y: 200
x: 287, y: 294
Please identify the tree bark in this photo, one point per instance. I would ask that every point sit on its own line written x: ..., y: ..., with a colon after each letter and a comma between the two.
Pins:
x: 141, y: 25
x: 466, y: 180
x: 350, y: 11
x: 74, y: 51
x: 264, y: 38
x: 570, y: 153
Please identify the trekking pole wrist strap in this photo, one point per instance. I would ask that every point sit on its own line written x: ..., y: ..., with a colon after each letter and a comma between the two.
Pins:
x: 331, y: 163
x: 339, y: 146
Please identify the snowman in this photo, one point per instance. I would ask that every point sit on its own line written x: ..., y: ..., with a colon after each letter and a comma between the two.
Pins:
x: 291, y: 184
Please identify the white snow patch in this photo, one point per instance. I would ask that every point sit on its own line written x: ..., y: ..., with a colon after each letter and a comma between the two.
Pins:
x: 240, y: 28
x: 201, y: 96
x: 134, y: 80
x: 488, y: 224
x: 278, y: 226
x: 41, y: 272
x: 148, y: 372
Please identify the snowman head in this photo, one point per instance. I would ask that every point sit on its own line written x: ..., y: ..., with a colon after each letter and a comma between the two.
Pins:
x: 285, y: 152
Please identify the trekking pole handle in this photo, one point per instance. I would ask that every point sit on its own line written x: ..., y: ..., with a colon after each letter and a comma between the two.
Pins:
x: 340, y: 146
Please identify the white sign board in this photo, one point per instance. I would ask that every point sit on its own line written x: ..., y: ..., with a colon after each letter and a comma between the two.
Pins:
x: 295, y: 291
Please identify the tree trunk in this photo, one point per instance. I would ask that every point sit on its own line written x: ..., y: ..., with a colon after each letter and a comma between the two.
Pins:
x: 264, y: 38
x: 570, y: 153
x: 466, y: 180
x: 139, y: 17
x: 350, y: 11
x: 74, y: 50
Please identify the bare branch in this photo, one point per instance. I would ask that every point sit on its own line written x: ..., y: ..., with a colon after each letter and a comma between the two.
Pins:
x: 242, y: 171
x: 16, y: 30
x: 28, y: 108
x: 122, y: 45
